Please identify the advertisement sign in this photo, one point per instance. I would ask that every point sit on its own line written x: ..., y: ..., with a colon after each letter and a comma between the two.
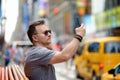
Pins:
x: 25, y: 17
x: 66, y: 22
x: 83, y: 7
x: 108, y: 19
x: 118, y: 15
x: 87, y: 20
x: 43, y: 8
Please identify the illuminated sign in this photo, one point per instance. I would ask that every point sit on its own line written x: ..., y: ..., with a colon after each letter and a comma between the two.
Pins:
x: 108, y: 19
x: 43, y: 8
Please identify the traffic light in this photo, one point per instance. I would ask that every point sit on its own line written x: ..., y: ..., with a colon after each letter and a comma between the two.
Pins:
x: 56, y: 10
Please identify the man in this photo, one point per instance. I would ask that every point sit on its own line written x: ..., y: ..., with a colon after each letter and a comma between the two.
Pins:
x: 40, y: 58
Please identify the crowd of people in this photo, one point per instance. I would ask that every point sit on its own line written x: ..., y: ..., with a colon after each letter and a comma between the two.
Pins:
x: 14, y: 55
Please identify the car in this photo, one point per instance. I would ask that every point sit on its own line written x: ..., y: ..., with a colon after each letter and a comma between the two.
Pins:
x: 97, y: 56
x: 112, y: 74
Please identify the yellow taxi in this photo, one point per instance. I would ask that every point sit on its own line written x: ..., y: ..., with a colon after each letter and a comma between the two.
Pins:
x: 97, y: 56
x: 112, y: 74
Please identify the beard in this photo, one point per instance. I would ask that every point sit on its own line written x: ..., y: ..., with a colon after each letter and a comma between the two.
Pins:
x: 48, y: 45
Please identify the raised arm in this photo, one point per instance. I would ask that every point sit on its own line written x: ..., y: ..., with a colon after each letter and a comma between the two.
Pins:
x: 71, y: 48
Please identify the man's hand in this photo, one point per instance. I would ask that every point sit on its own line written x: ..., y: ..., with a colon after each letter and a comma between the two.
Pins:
x: 80, y: 30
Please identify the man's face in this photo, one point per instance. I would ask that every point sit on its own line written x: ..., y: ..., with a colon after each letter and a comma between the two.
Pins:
x: 43, y: 35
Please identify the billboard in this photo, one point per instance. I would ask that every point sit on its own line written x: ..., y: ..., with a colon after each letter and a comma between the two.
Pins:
x: 108, y: 19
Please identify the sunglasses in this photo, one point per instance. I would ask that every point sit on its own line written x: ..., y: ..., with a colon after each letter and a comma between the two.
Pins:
x: 46, y: 32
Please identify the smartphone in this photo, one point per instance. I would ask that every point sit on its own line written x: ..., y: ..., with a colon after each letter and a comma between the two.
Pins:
x: 77, y: 21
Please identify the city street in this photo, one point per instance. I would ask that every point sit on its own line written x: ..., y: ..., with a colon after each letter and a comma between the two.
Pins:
x: 87, y: 31
x: 65, y: 73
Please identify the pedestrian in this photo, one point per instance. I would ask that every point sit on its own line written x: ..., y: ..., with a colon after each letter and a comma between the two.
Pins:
x: 6, y: 54
x: 41, y: 57
x: 18, y: 55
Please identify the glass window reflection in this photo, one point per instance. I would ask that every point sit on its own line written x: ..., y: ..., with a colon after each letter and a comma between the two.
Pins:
x: 117, y: 69
x: 112, y: 47
x: 93, y: 47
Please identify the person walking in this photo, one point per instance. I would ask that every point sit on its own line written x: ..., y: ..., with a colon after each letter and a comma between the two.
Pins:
x: 6, y: 54
x: 41, y: 57
x: 18, y: 55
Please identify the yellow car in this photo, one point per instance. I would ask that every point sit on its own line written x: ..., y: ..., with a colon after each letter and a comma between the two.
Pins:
x: 112, y: 74
x: 97, y: 56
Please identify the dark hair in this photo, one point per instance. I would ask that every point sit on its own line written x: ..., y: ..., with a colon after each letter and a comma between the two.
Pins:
x: 31, y: 30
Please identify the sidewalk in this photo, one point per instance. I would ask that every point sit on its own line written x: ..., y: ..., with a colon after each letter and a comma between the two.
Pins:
x: 67, y: 71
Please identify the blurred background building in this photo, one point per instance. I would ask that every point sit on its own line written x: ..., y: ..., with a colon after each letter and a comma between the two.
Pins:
x: 101, y: 18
